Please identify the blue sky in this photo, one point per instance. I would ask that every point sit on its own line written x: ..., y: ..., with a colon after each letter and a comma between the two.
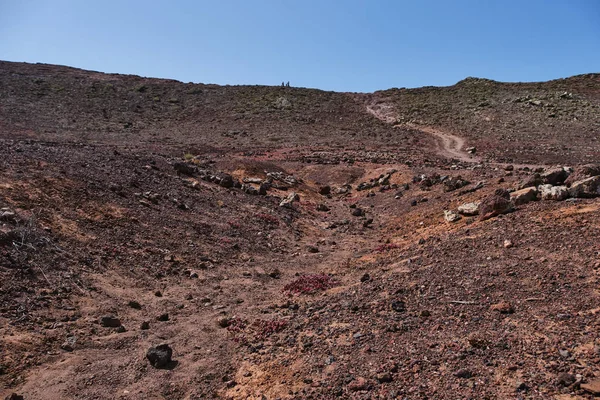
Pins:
x: 351, y: 45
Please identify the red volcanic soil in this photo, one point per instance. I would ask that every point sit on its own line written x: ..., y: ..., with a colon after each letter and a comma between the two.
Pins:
x: 290, y: 243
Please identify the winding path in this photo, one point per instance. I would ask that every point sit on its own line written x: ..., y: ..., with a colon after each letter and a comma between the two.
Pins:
x: 448, y: 145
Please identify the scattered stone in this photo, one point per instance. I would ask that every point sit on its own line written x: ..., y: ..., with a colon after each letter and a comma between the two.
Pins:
x: 384, y: 377
x: 325, y: 190
x: 463, y: 373
x: 534, y: 180
x: 121, y: 329
x: 134, y: 304
x: 565, y: 379
x: 508, y: 244
x: 592, y: 387
x: 110, y: 321
x: 262, y: 189
x: 495, y: 204
x: 471, y: 150
x: 312, y: 249
x: 8, y: 215
x: 322, y: 207
x: 469, y: 209
x: 557, y: 193
x: 367, y: 222
x: 158, y: 293
x: 509, y: 168
x: 503, y: 308
x: 159, y: 356
x: 365, y: 278
x: 555, y: 176
x: 14, y: 396
x: 586, y: 188
x: 564, y: 353
x: 145, y: 325
x: 521, y: 387
x: 224, y: 322
x: 163, y: 317
x: 398, y: 306
x: 358, y: 384
x: 451, y: 184
x: 288, y: 202
x: 69, y: 343
x: 185, y: 168
x: 451, y: 216
x: 358, y: 212
x: 524, y: 196
x: 275, y: 274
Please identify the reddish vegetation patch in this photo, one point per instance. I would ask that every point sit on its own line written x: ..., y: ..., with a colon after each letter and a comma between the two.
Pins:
x: 268, y: 218
x: 260, y: 329
x: 386, y: 247
x: 267, y: 328
x: 309, y: 284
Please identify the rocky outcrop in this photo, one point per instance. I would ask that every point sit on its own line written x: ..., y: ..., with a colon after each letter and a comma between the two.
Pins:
x: 495, y: 204
x: 586, y: 188
x: 557, y: 193
x: 469, y: 209
x: 524, y: 196
x: 451, y: 216
x: 583, y: 172
x: 555, y: 176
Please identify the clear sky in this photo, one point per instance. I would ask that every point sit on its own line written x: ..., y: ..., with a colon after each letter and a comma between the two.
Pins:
x: 344, y: 45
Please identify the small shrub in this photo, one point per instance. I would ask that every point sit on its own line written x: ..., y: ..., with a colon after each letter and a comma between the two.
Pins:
x: 310, y: 284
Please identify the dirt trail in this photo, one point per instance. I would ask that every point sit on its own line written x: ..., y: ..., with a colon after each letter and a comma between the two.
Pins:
x: 447, y: 144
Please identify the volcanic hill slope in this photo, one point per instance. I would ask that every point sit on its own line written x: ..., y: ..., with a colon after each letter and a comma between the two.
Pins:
x: 293, y: 243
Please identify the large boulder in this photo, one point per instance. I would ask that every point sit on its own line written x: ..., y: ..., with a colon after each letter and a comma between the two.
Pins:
x: 583, y: 172
x: 589, y: 187
x: 469, y: 208
x: 495, y: 204
x: 555, y: 176
x: 532, y: 180
x: 557, y: 193
x: 524, y: 196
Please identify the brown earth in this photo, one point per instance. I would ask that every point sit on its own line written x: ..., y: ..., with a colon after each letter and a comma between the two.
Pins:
x: 374, y: 296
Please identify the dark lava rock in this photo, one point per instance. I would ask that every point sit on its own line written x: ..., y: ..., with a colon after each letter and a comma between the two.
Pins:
x: 159, y: 356
x: 322, y: 207
x: 14, y: 396
x: 134, y: 304
x: 312, y: 249
x: 110, y: 321
x: 463, y: 373
x: 358, y: 212
x: 145, y: 325
x: 365, y: 278
x: 163, y: 317
x: 556, y: 176
x: 565, y: 379
x: 325, y: 190
x: 384, y: 377
x: 398, y: 306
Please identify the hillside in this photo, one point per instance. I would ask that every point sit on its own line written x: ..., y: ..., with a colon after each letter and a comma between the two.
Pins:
x: 290, y: 243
